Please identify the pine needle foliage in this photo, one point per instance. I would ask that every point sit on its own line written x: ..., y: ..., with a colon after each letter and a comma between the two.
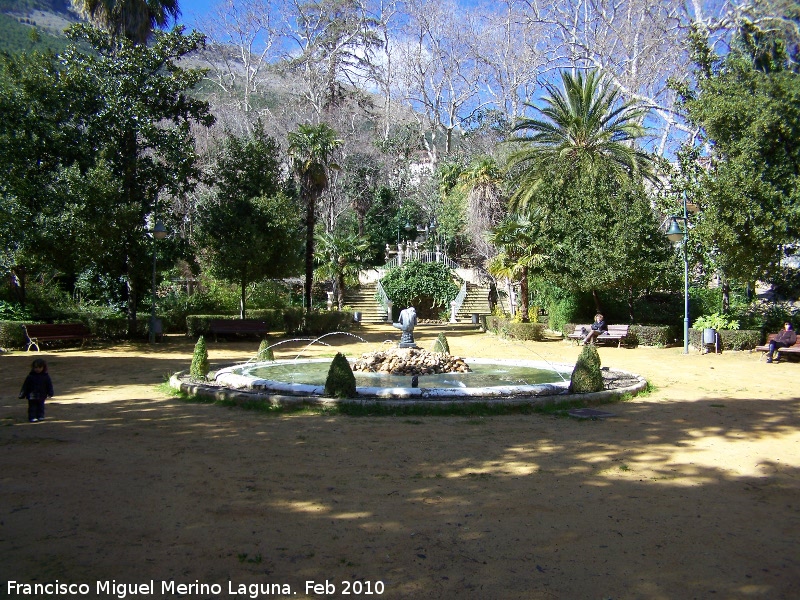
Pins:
x: 441, y: 345
x: 586, y: 376
x: 264, y: 351
x: 341, y: 383
x: 199, y: 368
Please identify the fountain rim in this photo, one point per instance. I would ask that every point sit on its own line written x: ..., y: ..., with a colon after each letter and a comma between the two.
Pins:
x: 241, y: 382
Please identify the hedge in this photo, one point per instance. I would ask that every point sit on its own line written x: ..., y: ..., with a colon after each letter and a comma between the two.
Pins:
x: 518, y: 331
x: 731, y: 339
x: 290, y: 320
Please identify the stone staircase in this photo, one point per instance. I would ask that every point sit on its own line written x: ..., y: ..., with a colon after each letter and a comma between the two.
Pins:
x: 362, y: 299
x: 477, y: 301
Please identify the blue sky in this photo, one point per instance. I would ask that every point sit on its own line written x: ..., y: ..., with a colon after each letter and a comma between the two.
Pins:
x: 191, y: 9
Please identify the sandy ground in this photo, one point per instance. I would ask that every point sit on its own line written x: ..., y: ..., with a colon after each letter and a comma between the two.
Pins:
x: 690, y: 491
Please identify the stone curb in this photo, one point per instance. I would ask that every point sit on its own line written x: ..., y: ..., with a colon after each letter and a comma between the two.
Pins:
x: 279, y: 400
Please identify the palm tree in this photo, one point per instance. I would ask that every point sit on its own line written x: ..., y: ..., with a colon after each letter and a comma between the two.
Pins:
x: 486, y: 202
x: 516, y: 239
x: 132, y: 19
x: 340, y: 258
x: 585, y: 130
x: 311, y: 149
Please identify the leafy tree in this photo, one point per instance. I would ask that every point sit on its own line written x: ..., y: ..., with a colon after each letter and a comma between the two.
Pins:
x: 747, y: 105
x: 340, y: 257
x: 361, y: 180
x: 581, y: 172
x: 137, y: 114
x: 106, y: 136
x: 249, y: 227
x: 311, y: 149
x: 132, y: 19
x: 337, y: 41
x: 518, y: 251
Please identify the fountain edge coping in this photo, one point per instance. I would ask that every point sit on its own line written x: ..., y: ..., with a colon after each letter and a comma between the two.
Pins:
x: 281, y: 400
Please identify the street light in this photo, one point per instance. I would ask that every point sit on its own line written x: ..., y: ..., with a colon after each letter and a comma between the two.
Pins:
x: 159, y: 232
x: 680, y: 236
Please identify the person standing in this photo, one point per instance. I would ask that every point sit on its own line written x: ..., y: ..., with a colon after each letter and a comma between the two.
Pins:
x: 37, y: 388
x: 785, y: 338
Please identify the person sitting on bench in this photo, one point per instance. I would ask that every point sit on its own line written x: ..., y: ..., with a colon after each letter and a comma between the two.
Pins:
x: 599, y: 327
x: 785, y: 338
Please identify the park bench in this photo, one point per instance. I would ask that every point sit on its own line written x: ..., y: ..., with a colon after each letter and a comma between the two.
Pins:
x: 237, y: 327
x: 49, y: 332
x: 779, y: 351
x: 615, y: 333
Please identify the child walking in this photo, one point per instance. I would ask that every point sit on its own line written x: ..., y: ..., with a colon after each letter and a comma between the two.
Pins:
x: 37, y: 388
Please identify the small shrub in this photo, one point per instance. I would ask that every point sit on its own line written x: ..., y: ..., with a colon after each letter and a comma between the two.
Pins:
x: 340, y: 383
x: 730, y: 339
x: 11, y: 334
x: 199, y: 368
x: 586, y: 376
x: 441, y: 345
x: 715, y: 321
x: 264, y: 351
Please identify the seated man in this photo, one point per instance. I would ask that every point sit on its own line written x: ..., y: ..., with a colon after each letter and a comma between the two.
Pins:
x: 784, y: 339
x: 599, y: 327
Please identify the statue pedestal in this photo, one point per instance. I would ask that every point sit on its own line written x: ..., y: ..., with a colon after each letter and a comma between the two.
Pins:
x: 407, y: 340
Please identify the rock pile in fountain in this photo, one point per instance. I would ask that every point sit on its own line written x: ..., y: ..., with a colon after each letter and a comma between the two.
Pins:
x: 410, y: 361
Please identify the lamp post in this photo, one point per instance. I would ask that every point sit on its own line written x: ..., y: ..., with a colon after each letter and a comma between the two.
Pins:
x: 678, y: 237
x: 159, y: 232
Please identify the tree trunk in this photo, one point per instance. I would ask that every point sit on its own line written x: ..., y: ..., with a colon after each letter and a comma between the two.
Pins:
x: 18, y: 283
x: 523, y: 296
x: 130, y: 291
x: 340, y: 290
x: 310, y: 222
x: 726, y: 295
x: 243, y: 297
x: 598, y: 309
x: 630, y: 304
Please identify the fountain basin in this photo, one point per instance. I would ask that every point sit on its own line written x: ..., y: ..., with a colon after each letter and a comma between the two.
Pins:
x: 491, y: 378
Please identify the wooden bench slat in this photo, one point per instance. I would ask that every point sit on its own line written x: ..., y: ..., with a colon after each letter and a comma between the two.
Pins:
x: 795, y: 349
x: 37, y: 333
x: 615, y: 333
x: 243, y: 326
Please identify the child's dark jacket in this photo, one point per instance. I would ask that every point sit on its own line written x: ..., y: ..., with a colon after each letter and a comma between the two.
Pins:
x: 37, y: 386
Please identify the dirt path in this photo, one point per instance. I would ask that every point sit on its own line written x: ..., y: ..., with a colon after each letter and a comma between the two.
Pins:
x: 688, y: 492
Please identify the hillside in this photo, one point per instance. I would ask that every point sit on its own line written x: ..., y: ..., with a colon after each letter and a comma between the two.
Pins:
x: 19, y: 19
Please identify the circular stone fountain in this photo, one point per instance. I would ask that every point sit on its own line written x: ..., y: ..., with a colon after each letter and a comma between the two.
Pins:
x: 484, y: 380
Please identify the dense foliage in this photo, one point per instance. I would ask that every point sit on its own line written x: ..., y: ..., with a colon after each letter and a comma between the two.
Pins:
x: 428, y: 287
x: 249, y: 228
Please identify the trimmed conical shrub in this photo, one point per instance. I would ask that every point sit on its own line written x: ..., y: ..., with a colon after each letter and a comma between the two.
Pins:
x: 441, y: 345
x: 264, y: 351
x: 586, y: 376
x: 341, y: 383
x: 199, y: 368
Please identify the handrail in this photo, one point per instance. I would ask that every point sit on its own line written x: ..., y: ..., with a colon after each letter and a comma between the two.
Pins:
x: 381, y: 296
x: 459, y: 300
